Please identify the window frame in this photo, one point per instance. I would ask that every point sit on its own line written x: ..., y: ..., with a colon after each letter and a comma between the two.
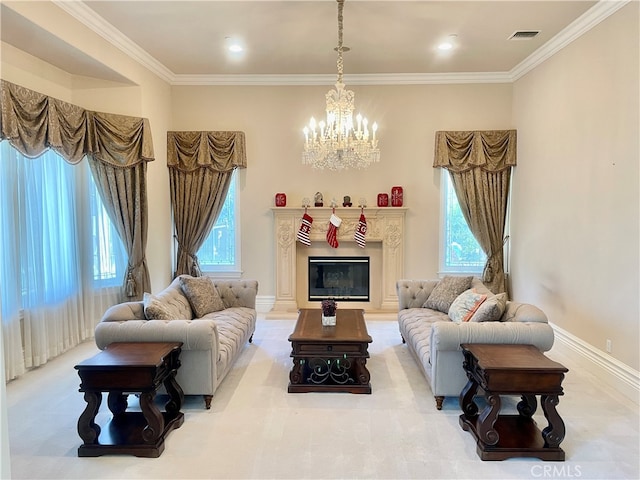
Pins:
x: 444, y: 269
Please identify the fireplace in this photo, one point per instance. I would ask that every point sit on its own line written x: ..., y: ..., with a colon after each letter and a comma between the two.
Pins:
x: 384, y: 248
x: 342, y: 278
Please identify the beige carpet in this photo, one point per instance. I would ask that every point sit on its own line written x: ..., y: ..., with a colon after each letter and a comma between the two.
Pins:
x: 255, y: 429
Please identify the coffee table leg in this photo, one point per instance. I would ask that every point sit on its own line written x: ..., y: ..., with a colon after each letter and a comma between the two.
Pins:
x: 362, y: 373
x: 295, y: 375
x: 87, y: 428
x: 553, y: 434
x: 155, y: 420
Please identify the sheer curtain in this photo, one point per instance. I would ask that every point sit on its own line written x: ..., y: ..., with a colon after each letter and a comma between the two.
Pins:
x: 52, y: 290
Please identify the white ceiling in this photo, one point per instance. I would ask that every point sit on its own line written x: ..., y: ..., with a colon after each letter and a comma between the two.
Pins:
x: 293, y: 41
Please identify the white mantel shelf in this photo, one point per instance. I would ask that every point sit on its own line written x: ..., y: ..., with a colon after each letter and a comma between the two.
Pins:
x: 384, y: 224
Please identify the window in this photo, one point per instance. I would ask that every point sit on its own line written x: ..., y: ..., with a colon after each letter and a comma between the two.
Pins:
x: 459, y: 250
x: 220, y: 252
x: 55, y: 232
x: 109, y: 257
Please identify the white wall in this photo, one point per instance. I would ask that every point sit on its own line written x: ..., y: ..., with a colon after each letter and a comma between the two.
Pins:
x: 272, y: 119
x: 575, y: 204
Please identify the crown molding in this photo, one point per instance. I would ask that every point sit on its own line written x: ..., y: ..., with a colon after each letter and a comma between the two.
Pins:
x: 580, y: 26
x: 99, y: 25
x: 592, y: 17
x: 353, y: 79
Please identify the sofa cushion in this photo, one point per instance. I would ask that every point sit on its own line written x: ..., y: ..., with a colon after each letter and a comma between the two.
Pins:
x: 202, y: 294
x: 156, y: 309
x: 446, y: 291
x: 491, y: 309
x: 465, y: 305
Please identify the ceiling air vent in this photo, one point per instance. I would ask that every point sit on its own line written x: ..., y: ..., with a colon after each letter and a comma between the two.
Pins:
x: 524, y: 34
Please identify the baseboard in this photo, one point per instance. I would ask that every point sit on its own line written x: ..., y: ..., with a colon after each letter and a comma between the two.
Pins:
x: 603, y: 366
x: 264, y: 303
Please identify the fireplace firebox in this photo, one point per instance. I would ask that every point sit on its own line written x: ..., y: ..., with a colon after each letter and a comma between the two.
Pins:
x: 342, y: 278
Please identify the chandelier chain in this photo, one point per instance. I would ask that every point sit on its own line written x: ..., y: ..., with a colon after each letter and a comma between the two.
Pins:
x: 340, y: 43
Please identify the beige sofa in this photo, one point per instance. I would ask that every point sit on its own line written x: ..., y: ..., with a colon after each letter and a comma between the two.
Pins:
x: 212, y: 340
x: 434, y: 339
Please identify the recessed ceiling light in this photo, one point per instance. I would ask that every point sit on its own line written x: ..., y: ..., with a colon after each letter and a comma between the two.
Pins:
x: 448, y: 43
x: 233, y: 45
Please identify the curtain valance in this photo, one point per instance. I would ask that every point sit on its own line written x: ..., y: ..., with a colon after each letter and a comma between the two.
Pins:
x: 491, y: 150
x: 33, y: 122
x: 217, y: 151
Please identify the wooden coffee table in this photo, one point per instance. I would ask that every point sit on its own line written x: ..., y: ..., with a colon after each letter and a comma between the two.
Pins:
x: 121, y: 369
x: 330, y: 359
x: 520, y: 370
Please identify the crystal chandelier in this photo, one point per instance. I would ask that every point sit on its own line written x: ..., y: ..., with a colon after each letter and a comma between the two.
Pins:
x: 338, y: 144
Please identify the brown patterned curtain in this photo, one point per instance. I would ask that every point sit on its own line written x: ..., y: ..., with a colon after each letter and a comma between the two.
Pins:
x: 200, y: 169
x: 479, y: 163
x: 118, y: 148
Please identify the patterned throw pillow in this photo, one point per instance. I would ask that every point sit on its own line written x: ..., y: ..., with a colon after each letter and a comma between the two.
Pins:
x: 202, y: 295
x: 446, y: 291
x: 463, y: 307
x: 491, y: 309
x: 155, y: 309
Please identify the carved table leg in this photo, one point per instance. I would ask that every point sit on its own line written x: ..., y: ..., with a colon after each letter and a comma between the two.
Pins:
x: 468, y: 406
x: 87, y: 428
x: 488, y: 418
x: 117, y: 402
x: 295, y: 375
x: 362, y: 373
x: 527, y: 406
x: 553, y: 434
x: 155, y: 420
x: 176, y: 395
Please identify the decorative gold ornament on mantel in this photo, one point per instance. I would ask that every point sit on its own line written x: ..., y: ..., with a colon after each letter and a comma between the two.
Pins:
x: 336, y: 144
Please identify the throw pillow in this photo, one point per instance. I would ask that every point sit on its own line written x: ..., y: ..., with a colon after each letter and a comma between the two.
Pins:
x: 491, y: 310
x: 446, y: 291
x: 155, y: 309
x: 465, y: 305
x: 202, y: 295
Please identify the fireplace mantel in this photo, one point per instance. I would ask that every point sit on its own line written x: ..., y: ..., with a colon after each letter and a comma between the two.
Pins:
x: 384, y: 226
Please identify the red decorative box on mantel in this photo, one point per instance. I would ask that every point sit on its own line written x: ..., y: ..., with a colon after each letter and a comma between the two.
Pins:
x: 397, y: 195
x: 383, y: 200
x: 281, y: 200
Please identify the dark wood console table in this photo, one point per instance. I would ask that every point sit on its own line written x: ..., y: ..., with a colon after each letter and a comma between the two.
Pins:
x: 330, y: 359
x: 512, y: 370
x: 121, y: 369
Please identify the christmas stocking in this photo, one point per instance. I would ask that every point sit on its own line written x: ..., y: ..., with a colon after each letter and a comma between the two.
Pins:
x: 332, y: 233
x: 361, y: 231
x: 305, y: 228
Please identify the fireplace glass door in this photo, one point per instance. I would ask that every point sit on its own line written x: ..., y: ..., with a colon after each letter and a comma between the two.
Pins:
x: 341, y: 278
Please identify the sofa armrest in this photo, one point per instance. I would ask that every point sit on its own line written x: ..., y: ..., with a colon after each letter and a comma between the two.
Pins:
x: 449, y: 335
x: 194, y: 334
x: 124, y: 311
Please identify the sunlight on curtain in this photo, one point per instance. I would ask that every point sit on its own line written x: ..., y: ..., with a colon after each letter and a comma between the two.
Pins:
x: 52, y: 289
